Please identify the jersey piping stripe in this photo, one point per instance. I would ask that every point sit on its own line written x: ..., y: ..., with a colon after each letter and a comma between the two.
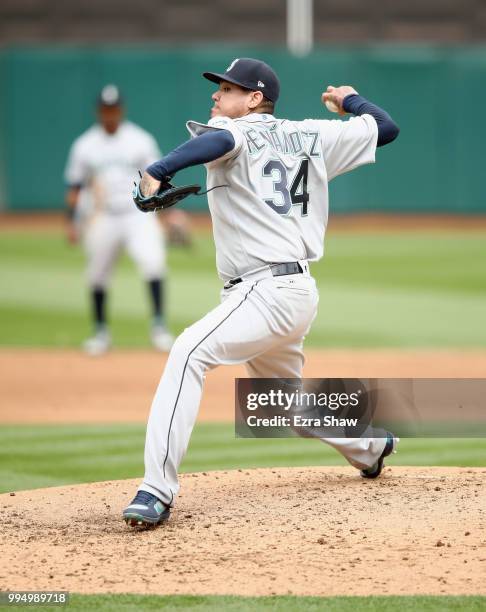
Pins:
x: 184, y: 371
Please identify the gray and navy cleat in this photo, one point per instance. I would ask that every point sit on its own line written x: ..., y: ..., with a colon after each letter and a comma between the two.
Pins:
x: 145, y: 510
x: 375, y: 470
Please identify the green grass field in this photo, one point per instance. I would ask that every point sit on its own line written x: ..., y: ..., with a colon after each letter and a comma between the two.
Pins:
x: 41, y: 456
x: 134, y: 603
x: 397, y: 290
x: 377, y: 290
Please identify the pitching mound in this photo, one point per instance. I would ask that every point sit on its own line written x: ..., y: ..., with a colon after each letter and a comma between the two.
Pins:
x: 304, y: 531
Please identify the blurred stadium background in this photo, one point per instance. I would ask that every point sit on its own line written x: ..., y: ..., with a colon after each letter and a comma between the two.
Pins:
x: 406, y: 255
x: 422, y: 60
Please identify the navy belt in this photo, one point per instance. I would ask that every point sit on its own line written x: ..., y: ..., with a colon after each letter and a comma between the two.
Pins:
x: 279, y: 269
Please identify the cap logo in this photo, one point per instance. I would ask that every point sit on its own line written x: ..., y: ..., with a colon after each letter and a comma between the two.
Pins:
x: 231, y: 66
x: 260, y: 84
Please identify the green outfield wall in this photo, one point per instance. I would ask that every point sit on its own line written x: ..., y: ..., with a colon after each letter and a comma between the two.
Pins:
x: 435, y: 94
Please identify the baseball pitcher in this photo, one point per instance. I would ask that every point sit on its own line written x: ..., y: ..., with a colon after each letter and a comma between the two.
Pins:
x: 269, y: 206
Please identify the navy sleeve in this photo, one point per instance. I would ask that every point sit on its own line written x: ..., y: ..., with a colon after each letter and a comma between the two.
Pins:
x: 200, y: 150
x: 388, y: 130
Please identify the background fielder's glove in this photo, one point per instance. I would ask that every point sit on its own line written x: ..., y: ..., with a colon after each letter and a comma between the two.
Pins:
x: 166, y: 196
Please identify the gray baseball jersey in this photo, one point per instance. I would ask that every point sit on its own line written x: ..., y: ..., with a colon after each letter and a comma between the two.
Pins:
x: 107, y: 164
x: 274, y: 207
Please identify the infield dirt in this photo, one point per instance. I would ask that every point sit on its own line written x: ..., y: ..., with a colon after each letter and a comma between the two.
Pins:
x: 66, y: 386
x: 302, y: 531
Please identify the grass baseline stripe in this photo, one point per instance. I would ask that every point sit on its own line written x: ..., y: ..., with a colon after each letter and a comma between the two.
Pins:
x: 376, y: 290
x: 95, y: 453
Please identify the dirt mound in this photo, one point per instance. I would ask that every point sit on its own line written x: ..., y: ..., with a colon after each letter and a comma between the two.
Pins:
x: 304, y: 531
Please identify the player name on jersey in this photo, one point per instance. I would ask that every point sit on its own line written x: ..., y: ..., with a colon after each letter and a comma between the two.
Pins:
x: 289, y: 143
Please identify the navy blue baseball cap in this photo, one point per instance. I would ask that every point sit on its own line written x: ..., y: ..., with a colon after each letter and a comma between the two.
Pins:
x: 250, y: 74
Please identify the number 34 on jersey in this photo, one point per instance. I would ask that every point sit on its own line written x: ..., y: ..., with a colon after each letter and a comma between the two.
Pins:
x: 291, y: 190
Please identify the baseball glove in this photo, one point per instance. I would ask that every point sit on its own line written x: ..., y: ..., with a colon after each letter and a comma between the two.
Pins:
x: 166, y: 196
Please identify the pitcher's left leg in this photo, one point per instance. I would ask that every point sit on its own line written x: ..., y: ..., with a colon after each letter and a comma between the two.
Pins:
x: 236, y: 331
x: 253, y: 318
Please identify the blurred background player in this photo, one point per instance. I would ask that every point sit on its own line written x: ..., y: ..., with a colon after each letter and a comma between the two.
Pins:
x: 102, y: 166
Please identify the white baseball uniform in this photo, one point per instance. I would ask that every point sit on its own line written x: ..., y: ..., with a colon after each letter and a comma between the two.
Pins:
x: 106, y: 165
x: 273, y: 209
